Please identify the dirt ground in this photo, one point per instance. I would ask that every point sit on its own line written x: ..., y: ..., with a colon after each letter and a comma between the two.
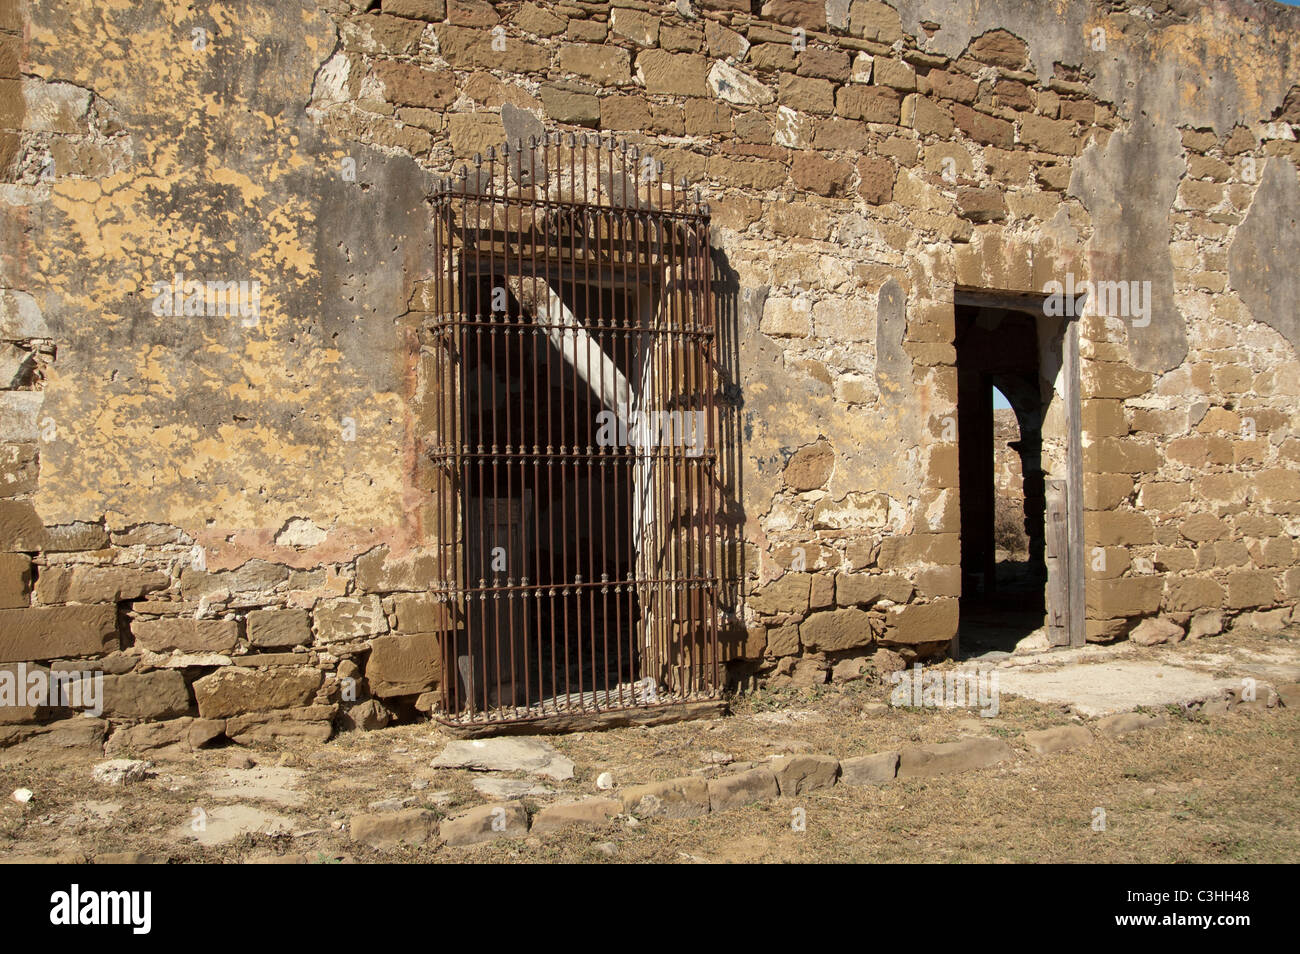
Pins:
x: 1196, y: 789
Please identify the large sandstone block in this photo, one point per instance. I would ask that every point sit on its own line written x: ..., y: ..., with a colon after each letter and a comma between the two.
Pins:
x: 681, y: 74
x: 1048, y: 135
x: 931, y: 622
x: 945, y: 758
x: 805, y: 94
x: 1117, y: 528
x: 160, y: 694
x: 173, y: 737
x: 859, y: 589
x: 742, y: 788
x: 1002, y: 49
x: 471, y: 48
x: 276, y: 628
x: 1250, y: 588
x: 20, y: 526
x: 350, y: 618
x: 411, y: 85
x: 385, y: 830
x: 876, y: 769
x: 809, y: 14
x: 875, y: 179
x: 378, y: 571
x: 954, y: 86
x: 15, y: 676
x: 476, y: 13
x: 782, y: 640
x: 254, y: 577
x: 639, y: 27
x: 872, y: 104
x: 1136, y: 596
x: 1189, y: 594
x: 766, y: 57
x: 56, y: 632
x: 404, y: 665
x: 97, y: 584
x: 1278, y: 485
x: 926, y: 116
x: 674, y: 798
x: 606, y: 65
x: 15, y: 580
x: 486, y: 823
x: 873, y: 20
x: 532, y: 18
x: 299, y: 724
x: 186, y: 634
x: 235, y: 690
x: 839, y: 629
x: 21, y: 530
x: 787, y: 594
x: 1110, y: 379
x: 572, y: 106
x: 588, y: 811
x: 77, y: 732
x: 825, y: 64
x: 376, y: 33
x: 1120, y: 455
x: 984, y: 128
x: 908, y: 550
x: 431, y: 10
x: 748, y: 174
x: 796, y: 774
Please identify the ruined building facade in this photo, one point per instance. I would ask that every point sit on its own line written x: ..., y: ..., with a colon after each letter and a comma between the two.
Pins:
x: 242, y: 281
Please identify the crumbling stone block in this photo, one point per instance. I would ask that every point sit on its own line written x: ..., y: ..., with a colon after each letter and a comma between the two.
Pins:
x: 946, y: 758
x: 485, y: 823
x: 742, y: 788
x: 235, y: 690
x: 675, y: 798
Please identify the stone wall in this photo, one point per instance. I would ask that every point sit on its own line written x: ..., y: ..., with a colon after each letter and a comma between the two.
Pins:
x: 1008, y: 488
x: 228, y: 513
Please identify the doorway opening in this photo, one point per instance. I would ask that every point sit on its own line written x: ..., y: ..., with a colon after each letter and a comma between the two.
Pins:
x: 573, y: 438
x: 1015, y: 435
x: 551, y: 555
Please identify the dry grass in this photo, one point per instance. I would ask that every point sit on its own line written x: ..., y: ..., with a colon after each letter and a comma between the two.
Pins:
x: 1190, y: 791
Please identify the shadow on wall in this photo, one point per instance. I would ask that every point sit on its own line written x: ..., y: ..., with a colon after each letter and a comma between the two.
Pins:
x: 729, y: 400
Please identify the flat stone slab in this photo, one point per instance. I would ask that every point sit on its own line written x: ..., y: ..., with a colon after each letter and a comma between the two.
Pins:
x: 269, y: 783
x: 228, y: 822
x: 506, y: 754
x: 1101, y: 689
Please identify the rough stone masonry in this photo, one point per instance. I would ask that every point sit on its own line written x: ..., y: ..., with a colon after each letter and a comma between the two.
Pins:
x: 225, y: 510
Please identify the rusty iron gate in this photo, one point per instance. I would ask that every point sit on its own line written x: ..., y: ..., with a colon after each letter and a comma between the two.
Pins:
x: 573, y: 439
